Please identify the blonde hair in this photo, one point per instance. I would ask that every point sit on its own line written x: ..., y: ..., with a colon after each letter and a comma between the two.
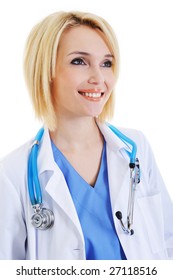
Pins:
x: 40, y: 59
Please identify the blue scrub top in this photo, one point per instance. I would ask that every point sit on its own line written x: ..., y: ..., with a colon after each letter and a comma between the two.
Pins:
x: 93, y: 207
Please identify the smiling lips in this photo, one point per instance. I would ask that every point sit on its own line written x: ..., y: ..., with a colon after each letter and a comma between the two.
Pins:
x: 92, y: 95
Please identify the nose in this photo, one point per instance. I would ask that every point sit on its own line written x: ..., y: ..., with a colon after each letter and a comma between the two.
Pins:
x: 96, y: 76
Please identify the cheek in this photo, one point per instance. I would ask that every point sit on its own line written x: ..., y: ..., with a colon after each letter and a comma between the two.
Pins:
x: 70, y: 80
x: 111, y: 81
x: 62, y: 83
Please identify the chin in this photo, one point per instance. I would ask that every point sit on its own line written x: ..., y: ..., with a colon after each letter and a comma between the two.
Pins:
x: 94, y: 114
x: 94, y: 111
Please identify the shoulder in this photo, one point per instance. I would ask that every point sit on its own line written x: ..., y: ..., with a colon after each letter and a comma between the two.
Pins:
x: 111, y: 134
x: 136, y: 135
x: 14, y: 164
x: 143, y: 146
x: 144, y: 150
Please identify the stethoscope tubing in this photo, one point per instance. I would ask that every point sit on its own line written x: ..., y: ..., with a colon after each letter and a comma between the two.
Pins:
x: 126, y: 140
x: 45, y: 216
x: 33, y: 180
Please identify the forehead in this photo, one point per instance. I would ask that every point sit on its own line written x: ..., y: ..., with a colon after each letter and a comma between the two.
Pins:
x: 83, y: 38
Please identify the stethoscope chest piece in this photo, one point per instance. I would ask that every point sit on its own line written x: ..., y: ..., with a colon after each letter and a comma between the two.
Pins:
x: 43, y: 218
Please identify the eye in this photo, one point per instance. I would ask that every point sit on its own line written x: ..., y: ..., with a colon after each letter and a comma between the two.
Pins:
x: 78, y: 61
x: 107, y: 63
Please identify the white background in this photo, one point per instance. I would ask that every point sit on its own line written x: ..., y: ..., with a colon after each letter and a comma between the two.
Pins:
x: 144, y: 30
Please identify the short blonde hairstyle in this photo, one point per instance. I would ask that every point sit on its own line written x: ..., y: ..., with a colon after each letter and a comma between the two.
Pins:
x: 41, y: 54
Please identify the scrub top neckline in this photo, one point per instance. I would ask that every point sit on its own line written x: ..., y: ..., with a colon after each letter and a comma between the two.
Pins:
x: 60, y: 154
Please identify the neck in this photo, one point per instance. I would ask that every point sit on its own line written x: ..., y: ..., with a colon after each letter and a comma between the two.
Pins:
x: 76, y: 134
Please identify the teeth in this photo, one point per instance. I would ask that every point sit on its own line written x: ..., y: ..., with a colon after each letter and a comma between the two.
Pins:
x: 89, y: 94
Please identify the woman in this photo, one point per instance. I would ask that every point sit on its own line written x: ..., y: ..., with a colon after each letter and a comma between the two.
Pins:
x: 71, y: 67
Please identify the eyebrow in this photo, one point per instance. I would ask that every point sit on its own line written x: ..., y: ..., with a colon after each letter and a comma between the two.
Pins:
x: 88, y: 54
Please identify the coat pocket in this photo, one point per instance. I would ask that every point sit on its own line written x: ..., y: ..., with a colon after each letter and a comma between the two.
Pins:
x: 151, y: 210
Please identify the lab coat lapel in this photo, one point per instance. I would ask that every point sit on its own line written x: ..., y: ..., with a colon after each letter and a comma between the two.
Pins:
x: 119, y: 185
x: 58, y: 190
x: 118, y: 166
x: 53, y: 180
x: 118, y: 176
x: 119, y: 180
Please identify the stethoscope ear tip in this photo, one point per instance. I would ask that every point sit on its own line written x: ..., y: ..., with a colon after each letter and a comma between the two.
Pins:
x: 128, y: 231
x: 118, y: 214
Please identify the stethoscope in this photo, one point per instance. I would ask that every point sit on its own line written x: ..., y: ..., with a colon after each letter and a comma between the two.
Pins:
x: 43, y: 218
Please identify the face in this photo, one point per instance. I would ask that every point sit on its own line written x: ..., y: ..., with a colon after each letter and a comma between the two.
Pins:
x: 84, y: 73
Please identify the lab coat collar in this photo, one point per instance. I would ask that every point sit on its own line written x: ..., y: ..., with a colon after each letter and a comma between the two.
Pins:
x: 111, y: 138
x: 117, y: 161
x: 45, y: 157
x: 46, y: 160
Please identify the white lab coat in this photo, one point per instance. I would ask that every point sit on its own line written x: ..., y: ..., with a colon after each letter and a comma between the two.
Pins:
x: 153, y: 212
